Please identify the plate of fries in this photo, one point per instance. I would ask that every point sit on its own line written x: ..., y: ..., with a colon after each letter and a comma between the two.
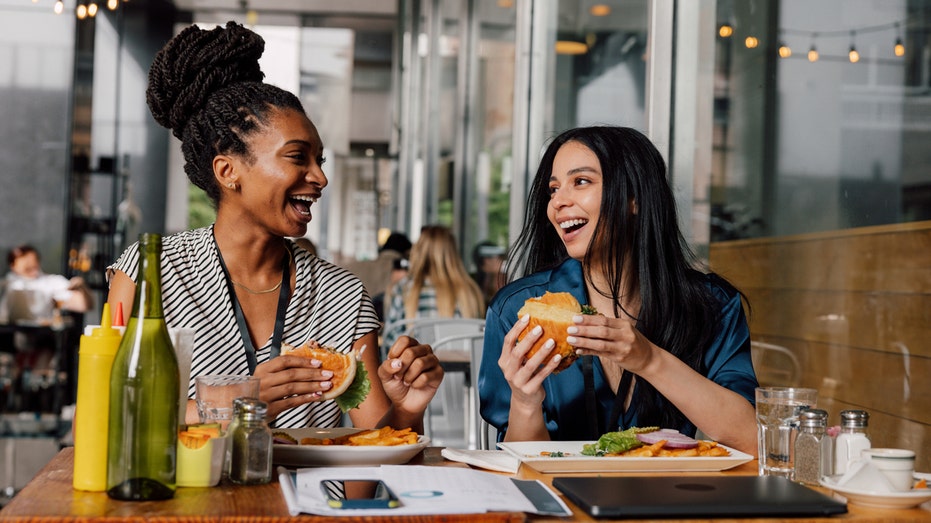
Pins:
x: 317, y: 447
x: 566, y: 456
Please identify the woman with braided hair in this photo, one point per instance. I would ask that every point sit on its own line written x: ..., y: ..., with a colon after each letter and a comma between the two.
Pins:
x: 241, y: 284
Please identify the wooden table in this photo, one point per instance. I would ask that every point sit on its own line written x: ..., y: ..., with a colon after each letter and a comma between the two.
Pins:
x: 50, y: 498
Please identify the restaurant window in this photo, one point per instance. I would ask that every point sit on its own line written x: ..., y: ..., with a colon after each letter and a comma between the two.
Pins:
x: 455, y: 117
x: 36, y: 55
x: 821, y: 116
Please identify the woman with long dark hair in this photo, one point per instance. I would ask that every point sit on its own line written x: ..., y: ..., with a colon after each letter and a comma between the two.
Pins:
x: 671, y: 345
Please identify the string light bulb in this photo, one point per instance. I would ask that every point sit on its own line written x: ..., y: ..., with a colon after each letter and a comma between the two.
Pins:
x: 92, y: 9
x: 899, y: 48
x: 853, y: 55
x: 813, y: 54
x: 59, y: 7
x: 113, y: 4
x: 784, y: 50
x: 726, y: 30
x: 81, y: 11
x: 751, y: 42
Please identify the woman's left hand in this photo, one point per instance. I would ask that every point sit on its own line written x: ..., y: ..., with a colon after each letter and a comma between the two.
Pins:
x: 616, y: 339
x: 411, y: 375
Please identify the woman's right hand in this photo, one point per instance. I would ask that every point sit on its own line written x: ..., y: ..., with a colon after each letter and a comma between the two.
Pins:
x: 288, y: 381
x: 525, y: 376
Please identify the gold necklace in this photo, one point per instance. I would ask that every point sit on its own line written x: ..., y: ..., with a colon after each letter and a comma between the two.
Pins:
x: 266, y: 291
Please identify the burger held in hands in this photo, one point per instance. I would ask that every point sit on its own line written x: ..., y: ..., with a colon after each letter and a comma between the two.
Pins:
x: 553, y: 312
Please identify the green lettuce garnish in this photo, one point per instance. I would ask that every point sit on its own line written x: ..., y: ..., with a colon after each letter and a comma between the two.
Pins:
x: 357, y: 391
x: 616, y: 442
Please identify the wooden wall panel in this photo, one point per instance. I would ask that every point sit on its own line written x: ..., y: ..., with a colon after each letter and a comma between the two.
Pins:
x: 855, y: 307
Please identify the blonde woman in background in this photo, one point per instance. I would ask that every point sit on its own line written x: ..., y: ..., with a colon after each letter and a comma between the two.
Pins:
x: 437, y: 284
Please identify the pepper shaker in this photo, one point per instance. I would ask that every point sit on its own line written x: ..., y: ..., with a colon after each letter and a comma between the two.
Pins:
x: 251, y: 441
x: 813, y: 447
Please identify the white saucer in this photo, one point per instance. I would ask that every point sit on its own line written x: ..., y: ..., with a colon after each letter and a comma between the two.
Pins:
x: 868, y: 498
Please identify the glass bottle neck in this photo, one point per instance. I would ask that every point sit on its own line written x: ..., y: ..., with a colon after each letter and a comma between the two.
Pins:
x: 149, y: 281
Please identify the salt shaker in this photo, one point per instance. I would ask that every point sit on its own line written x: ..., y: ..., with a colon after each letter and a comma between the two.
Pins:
x: 251, y: 442
x: 813, y: 447
x: 852, y: 439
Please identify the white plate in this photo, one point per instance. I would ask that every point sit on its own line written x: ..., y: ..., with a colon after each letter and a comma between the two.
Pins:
x: 338, y: 455
x: 869, y: 498
x: 529, y: 452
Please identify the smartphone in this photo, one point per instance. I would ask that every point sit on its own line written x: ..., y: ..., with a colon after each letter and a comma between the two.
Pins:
x: 358, y: 493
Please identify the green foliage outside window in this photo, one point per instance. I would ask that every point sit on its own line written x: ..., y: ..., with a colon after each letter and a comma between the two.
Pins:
x: 200, y: 211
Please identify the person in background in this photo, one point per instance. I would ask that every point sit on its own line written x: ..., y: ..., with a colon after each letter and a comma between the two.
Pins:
x: 489, y: 263
x: 437, y: 284
x: 27, y: 294
x: 671, y: 345
x: 388, y: 268
x: 55, y: 290
x: 241, y: 284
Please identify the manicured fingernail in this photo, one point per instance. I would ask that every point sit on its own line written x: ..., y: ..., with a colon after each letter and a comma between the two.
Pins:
x: 556, y: 358
x: 571, y: 339
x: 396, y: 364
x: 315, y: 363
x: 549, y: 344
x: 573, y: 330
x: 406, y: 384
x: 537, y: 330
x: 325, y: 385
x: 525, y: 318
x: 315, y: 395
x: 326, y: 373
x: 577, y: 318
x: 578, y: 351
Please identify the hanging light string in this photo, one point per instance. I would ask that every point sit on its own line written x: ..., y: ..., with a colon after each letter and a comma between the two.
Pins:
x: 727, y: 29
x: 85, y: 8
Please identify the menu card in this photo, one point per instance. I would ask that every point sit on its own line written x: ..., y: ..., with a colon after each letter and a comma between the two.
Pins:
x: 423, y: 490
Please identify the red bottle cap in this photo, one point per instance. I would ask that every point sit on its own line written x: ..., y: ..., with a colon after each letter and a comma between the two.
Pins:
x: 118, y: 315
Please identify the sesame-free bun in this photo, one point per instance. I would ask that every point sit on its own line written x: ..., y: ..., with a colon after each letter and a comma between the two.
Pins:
x: 553, y: 312
x: 343, y: 365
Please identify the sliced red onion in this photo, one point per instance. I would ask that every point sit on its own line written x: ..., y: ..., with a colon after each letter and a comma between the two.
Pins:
x: 674, y: 439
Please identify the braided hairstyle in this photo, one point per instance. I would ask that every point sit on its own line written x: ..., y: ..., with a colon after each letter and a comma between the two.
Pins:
x: 206, y: 86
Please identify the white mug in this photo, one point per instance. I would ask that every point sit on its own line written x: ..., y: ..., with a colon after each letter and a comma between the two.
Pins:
x: 898, y: 465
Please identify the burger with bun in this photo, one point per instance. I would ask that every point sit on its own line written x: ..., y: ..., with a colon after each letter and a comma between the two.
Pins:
x: 350, y: 380
x: 553, y: 312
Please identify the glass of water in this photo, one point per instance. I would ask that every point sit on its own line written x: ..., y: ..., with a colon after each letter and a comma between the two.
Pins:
x: 214, y: 396
x: 777, y: 410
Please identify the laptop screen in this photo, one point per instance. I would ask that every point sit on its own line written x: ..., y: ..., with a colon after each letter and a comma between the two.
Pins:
x: 695, y: 496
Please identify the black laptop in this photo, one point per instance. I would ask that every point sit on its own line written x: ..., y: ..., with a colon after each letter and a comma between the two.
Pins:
x: 695, y: 496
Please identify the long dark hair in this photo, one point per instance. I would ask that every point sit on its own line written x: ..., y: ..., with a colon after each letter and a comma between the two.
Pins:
x: 677, y: 308
x: 206, y: 86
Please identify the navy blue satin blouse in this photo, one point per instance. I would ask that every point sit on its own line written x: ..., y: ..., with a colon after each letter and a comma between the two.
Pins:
x: 727, y: 360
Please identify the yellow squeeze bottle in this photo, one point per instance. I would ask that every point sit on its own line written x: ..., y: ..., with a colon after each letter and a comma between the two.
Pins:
x: 92, y: 412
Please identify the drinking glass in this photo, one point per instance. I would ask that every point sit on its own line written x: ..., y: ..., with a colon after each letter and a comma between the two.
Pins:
x: 777, y: 410
x: 214, y: 396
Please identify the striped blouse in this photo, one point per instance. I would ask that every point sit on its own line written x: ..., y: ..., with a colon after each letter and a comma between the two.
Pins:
x: 329, y: 305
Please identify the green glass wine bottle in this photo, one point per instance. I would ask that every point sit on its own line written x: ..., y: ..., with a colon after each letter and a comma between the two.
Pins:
x: 144, y: 393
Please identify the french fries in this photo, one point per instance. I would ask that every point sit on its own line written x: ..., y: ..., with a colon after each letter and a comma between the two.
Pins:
x: 384, y: 437
x: 704, y: 449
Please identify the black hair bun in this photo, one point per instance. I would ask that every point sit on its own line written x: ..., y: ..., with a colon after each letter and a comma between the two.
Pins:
x: 195, y: 64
